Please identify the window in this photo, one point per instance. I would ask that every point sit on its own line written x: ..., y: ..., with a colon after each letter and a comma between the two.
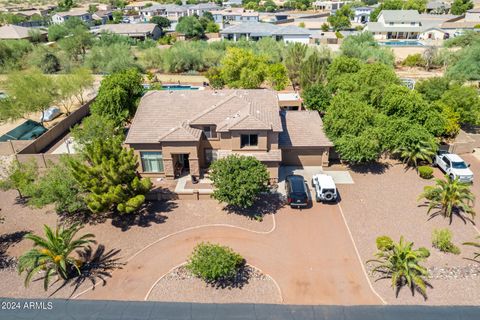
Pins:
x: 412, y: 23
x: 249, y: 140
x: 209, y: 132
x: 210, y: 156
x: 152, y: 161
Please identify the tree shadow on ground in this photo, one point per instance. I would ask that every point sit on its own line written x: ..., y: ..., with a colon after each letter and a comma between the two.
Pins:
x: 440, y: 213
x: 97, y: 267
x: 266, y: 204
x: 7, y: 240
x: 242, y: 277
x: 149, y: 214
x: 373, y: 167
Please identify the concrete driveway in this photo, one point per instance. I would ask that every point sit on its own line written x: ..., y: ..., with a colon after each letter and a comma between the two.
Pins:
x: 309, y: 254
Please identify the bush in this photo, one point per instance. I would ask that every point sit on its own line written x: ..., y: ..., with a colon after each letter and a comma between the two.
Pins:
x: 425, y: 172
x: 213, y: 262
x: 414, y: 60
x: 442, y: 240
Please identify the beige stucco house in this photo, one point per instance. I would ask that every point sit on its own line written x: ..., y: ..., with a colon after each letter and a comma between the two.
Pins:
x: 180, y: 132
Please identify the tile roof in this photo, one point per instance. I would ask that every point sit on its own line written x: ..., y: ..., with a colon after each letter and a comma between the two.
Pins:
x: 302, y: 129
x: 265, y: 29
x: 400, y: 15
x: 16, y: 32
x: 169, y: 115
x: 128, y: 28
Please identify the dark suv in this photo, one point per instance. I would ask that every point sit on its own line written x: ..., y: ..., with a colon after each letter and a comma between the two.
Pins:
x: 297, y: 195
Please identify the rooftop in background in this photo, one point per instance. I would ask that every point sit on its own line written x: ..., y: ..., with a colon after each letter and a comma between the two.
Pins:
x: 302, y: 129
x: 265, y: 29
x: 13, y: 32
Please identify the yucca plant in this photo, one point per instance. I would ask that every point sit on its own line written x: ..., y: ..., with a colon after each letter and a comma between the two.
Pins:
x: 53, y: 254
x: 401, y: 263
x: 476, y: 255
x: 449, y: 197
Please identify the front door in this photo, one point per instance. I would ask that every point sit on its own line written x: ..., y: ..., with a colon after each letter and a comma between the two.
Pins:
x: 183, y: 159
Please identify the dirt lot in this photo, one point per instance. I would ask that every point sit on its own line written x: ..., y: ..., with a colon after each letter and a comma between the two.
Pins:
x: 383, y: 201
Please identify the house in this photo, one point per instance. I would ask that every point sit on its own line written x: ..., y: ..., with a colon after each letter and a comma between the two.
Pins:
x: 177, y: 132
x: 458, y: 24
x: 331, y: 6
x: 200, y: 8
x: 437, y: 7
x: 14, y: 32
x: 362, y: 14
x: 232, y: 16
x: 408, y: 24
x: 257, y: 30
x: 103, y: 16
x: 61, y: 17
x: 325, y: 37
x: 140, y: 31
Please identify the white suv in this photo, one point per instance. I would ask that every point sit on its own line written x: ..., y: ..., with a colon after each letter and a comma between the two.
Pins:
x: 325, y: 189
x: 454, y: 166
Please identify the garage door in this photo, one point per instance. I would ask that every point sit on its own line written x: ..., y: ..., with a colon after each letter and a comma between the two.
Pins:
x: 302, y: 157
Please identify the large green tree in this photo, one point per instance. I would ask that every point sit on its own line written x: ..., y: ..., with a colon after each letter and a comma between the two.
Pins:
x: 191, y: 27
x: 238, y: 180
x: 341, y: 19
x: 314, y: 69
x: 461, y: 6
x: 241, y: 68
x: 467, y: 66
x: 54, y: 254
x: 162, y: 22
x: 294, y: 56
x: 107, y: 173
x: 465, y: 101
x: 317, y: 97
x: 118, y: 95
x: 364, y: 47
x: 19, y: 176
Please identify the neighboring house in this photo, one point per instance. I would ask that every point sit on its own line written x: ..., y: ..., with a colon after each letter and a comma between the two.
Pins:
x: 13, y: 32
x: 233, y: 16
x: 459, y: 24
x: 257, y: 30
x: 362, y: 14
x: 152, y: 11
x: 407, y: 24
x: 61, y: 17
x: 177, y: 132
x: 133, y: 30
x: 331, y: 6
x: 103, y: 16
x: 437, y: 7
x: 232, y: 3
x: 201, y: 8
x: 325, y: 37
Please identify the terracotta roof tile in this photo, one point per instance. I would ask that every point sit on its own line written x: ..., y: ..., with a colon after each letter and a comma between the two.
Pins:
x: 302, y: 129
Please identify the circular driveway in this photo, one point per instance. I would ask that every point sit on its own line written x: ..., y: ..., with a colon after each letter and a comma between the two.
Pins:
x: 309, y: 254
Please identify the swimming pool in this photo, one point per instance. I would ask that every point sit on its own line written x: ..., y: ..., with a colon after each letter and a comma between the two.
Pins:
x: 174, y: 87
x: 399, y: 43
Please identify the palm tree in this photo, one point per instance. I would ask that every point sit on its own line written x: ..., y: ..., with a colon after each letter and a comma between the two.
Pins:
x: 401, y: 263
x: 449, y: 197
x: 417, y: 152
x: 52, y: 254
x: 476, y: 255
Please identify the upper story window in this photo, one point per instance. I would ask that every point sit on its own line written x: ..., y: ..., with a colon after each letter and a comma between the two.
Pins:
x: 391, y: 23
x: 209, y: 132
x: 249, y: 140
x: 412, y: 23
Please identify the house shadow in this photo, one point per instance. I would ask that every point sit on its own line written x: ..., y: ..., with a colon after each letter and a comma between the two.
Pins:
x: 7, y: 240
x: 370, y: 168
x: 267, y: 203
x: 150, y: 213
x: 97, y: 267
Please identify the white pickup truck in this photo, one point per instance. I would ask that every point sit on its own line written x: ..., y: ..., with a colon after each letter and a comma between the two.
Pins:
x: 325, y: 189
x: 453, y: 166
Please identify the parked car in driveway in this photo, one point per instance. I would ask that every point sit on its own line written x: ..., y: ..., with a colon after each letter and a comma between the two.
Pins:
x: 454, y: 166
x: 50, y: 114
x: 325, y: 189
x: 296, y: 189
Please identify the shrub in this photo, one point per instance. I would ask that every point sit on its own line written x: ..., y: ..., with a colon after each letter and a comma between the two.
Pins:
x: 213, y: 262
x: 414, y: 60
x: 442, y: 240
x: 425, y: 172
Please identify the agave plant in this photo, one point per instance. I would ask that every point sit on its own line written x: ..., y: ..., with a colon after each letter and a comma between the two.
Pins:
x: 417, y: 152
x: 53, y: 254
x: 401, y: 263
x: 476, y: 255
x: 449, y: 197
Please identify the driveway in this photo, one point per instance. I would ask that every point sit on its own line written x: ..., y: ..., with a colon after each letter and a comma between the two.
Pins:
x: 309, y: 254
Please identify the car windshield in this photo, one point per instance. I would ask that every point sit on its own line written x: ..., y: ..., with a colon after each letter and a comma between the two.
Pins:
x: 459, y: 165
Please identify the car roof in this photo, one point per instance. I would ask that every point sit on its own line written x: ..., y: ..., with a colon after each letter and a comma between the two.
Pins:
x: 453, y: 157
x: 295, y: 177
x: 325, y: 180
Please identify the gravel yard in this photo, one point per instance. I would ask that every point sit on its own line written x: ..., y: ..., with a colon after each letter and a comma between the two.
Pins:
x: 383, y: 201
x: 121, y: 239
x: 181, y: 286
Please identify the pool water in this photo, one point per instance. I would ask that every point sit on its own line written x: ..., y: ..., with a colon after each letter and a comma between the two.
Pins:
x: 402, y: 44
x: 173, y: 87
